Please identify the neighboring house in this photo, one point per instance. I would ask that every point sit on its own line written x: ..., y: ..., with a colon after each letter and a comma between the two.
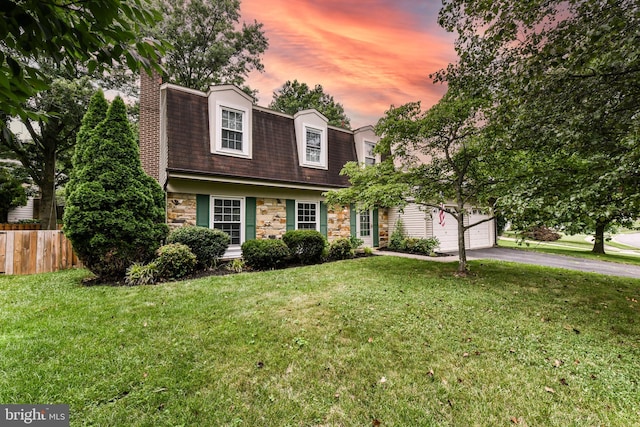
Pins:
x: 252, y: 172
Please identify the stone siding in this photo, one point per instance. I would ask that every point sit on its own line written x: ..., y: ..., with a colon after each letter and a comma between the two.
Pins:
x: 271, y: 218
x: 181, y: 209
x: 383, y: 226
x: 338, y: 223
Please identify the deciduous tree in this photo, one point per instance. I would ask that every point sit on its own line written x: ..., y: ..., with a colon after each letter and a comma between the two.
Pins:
x: 210, y: 47
x: 563, y: 78
x: 294, y: 96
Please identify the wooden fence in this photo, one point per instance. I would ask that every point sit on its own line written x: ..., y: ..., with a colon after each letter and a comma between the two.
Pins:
x: 38, y: 251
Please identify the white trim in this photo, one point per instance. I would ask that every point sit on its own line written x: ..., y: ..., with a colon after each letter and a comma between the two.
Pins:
x: 233, y: 251
x: 182, y: 89
x: 310, y: 202
x: 322, y: 164
x: 216, y: 137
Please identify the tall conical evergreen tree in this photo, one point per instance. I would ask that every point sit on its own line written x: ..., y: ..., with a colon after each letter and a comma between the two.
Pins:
x: 96, y: 113
x: 115, y: 213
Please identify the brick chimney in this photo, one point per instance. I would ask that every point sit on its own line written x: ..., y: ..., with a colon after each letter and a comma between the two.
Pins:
x: 150, y: 122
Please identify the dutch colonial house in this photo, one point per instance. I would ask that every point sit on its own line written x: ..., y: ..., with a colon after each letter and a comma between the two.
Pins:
x: 252, y: 172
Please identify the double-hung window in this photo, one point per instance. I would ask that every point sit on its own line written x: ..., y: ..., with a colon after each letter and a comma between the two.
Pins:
x: 313, y: 145
x: 227, y: 216
x: 369, y: 155
x: 232, y: 129
x: 307, y: 216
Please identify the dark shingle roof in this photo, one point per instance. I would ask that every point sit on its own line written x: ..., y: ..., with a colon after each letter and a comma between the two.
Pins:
x: 275, y: 154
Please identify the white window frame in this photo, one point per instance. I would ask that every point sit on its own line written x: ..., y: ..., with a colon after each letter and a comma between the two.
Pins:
x: 322, y: 162
x: 317, y: 214
x: 234, y: 249
x: 369, y: 222
x: 366, y: 157
x: 246, y: 131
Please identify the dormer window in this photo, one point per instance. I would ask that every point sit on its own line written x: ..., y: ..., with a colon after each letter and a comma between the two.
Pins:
x: 232, y: 129
x: 311, y: 139
x: 313, y: 145
x: 230, y: 121
x: 369, y: 155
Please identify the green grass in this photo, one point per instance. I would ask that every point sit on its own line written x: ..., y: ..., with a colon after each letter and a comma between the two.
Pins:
x: 574, y: 246
x: 397, y: 340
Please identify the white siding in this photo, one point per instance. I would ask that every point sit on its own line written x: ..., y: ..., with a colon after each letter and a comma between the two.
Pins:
x: 21, y: 212
x: 413, y: 220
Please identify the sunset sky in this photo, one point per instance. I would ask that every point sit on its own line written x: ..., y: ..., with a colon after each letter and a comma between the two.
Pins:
x: 367, y: 54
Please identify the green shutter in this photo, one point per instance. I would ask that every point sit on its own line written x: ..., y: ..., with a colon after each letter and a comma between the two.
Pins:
x: 250, y: 218
x: 376, y: 231
x: 353, y: 220
x: 202, y: 210
x: 323, y: 219
x: 291, y: 215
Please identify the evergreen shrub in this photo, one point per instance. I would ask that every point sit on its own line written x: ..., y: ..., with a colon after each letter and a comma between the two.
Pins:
x: 175, y: 261
x: 265, y: 254
x: 207, y: 244
x: 305, y: 246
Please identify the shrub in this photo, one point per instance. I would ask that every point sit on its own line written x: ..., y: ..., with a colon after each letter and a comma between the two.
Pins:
x: 341, y: 249
x: 236, y: 265
x: 265, y: 254
x: 114, y: 213
x: 305, y: 246
x: 175, y: 261
x: 543, y: 234
x: 142, y: 274
x: 207, y: 244
x: 419, y: 246
x: 396, y: 238
x: 355, y: 242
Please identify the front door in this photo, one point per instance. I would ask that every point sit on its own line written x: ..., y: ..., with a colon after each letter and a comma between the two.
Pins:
x: 365, y: 228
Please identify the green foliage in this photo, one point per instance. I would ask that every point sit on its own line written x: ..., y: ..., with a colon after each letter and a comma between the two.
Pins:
x: 355, y: 242
x: 46, y: 148
x: 142, y: 274
x: 543, y: 234
x: 210, y: 45
x: 295, y: 96
x: 415, y: 245
x: 562, y: 79
x: 396, y: 238
x: 208, y: 245
x: 175, y: 261
x: 306, y: 246
x: 265, y: 254
x: 12, y: 193
x: 115, y: 213
x: 341, y: 249
x: 73, y: 34
x: 236, y: 265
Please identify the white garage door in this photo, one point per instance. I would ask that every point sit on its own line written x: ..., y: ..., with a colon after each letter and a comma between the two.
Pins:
x: 446, y: 231
x: 480, y: 236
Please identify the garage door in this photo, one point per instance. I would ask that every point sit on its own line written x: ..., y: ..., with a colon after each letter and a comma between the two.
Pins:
x: 446, y: 231
x: 480, y: 236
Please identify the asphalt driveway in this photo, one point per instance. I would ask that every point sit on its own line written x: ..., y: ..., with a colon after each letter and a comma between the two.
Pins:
x: 558, y: 261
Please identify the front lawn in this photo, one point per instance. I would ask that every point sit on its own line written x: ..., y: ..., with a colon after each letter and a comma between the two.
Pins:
x: 570, y: 246
x: 373, y: 341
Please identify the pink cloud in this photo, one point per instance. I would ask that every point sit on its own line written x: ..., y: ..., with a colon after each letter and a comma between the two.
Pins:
x: 368, y: 55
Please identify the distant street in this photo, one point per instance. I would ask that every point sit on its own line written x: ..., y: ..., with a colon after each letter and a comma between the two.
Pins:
x: 628, y: 239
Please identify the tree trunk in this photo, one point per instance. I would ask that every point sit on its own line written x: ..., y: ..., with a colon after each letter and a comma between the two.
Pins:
x: 598, y: 243
x: 48, y: 207
x: 462, y: 250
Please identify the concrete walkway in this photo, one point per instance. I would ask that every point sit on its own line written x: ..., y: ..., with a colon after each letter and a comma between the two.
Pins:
x: 536, y: 258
